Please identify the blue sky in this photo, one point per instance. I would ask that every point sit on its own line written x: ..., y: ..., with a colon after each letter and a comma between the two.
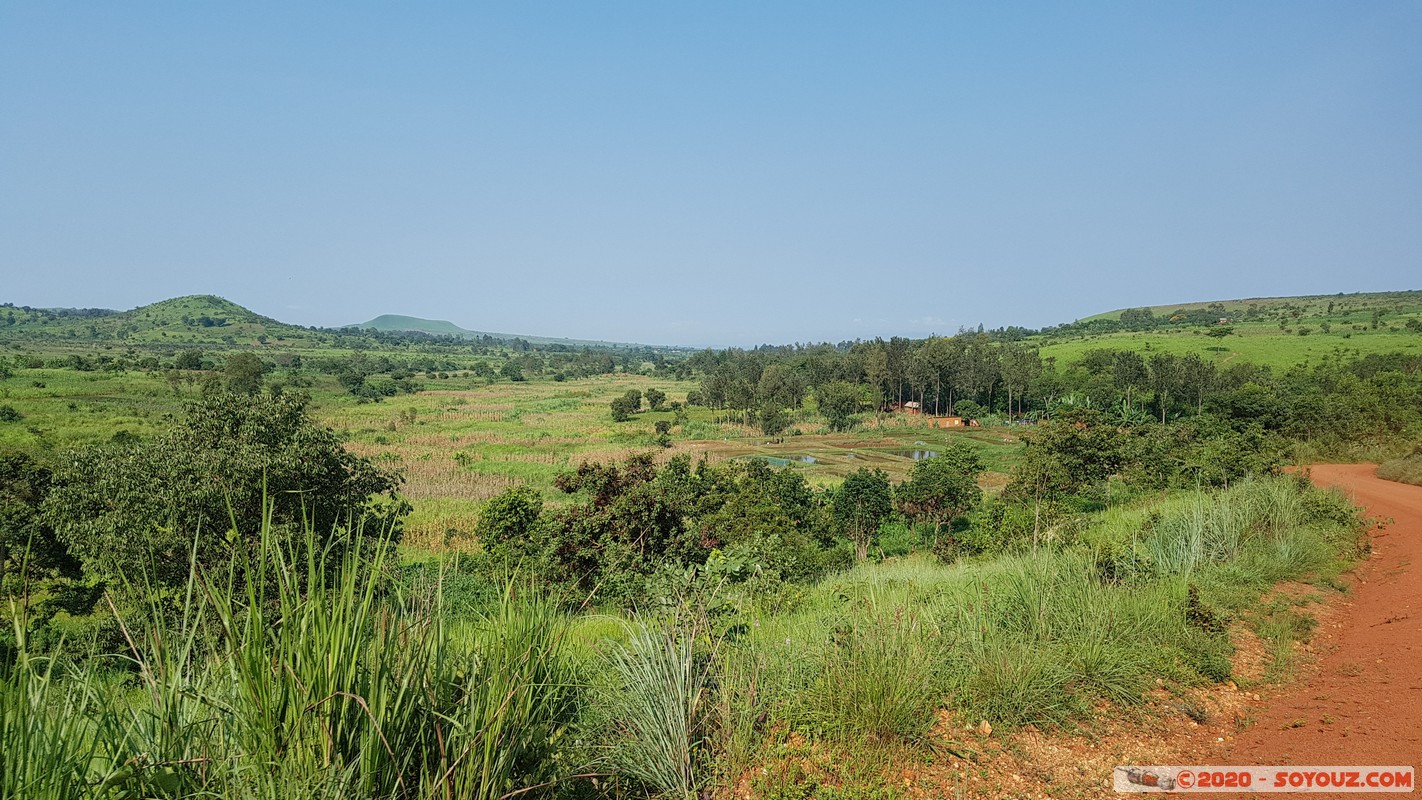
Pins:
x: 710, y: 173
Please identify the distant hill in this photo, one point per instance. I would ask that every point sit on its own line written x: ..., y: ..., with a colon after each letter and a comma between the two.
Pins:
x: 438, y: 327
x: 1400, y: 302
x: 1274, y: 331
x: 207, y: 320
x: 199, y: 319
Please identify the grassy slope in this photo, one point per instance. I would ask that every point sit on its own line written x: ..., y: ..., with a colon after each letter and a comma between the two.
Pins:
x: 1402, y: 302
x: 174, y: 322
x: 1260, y: 338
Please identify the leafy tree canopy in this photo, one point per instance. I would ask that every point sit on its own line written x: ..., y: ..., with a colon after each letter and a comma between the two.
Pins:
x: 140, y: 508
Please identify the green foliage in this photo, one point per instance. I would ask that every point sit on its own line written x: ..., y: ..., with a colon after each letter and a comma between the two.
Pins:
x: 512, y: 370
x: 508, y: 520
x: 941, y: 488
x: 229, y: 464
x: 634, y: 524
x: 9, y: 414
x: 655, y: 399
x: 1066, y: 455
x: 189, y: 358
x: 243, y: 373
x: 336, y: 686
x: 625, y: 406
x: 772, y: 418
x: 839, y: 402
x: 37, y: 572
x: 860, y: 503
x: 969, y: 409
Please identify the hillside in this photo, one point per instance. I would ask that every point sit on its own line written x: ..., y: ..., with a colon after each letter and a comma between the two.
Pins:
x: 1275, y: 331
x: 437, y: 327
x: 211, y: 321
x: 201, y: 319
x: 1402, y: 302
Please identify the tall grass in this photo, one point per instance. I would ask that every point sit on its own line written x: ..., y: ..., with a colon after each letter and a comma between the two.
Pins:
x: 46, y: 730
x: 313, y: 677
x: 1035, y: 637
x: 305, y: 671
x: 1407, y: 469
x: 655, y: 715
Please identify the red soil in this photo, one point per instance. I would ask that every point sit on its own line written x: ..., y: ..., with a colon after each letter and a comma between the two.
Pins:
x: 1363, y: 702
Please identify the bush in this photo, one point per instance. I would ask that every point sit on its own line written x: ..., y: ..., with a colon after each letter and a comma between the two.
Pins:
x: 1407, y: 469
x: 230, y: 465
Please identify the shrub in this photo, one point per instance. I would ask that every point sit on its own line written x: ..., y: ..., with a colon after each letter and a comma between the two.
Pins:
x: 230, y: 465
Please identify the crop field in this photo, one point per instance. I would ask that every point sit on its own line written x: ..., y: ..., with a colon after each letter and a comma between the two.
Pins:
x: 465, y: 439
x: 462, y: 444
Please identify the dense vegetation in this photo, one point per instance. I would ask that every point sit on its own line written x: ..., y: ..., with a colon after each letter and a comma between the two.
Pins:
x: 212, y: 592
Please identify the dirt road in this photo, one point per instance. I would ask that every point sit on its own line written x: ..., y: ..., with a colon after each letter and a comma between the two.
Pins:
x: 1363, y: 702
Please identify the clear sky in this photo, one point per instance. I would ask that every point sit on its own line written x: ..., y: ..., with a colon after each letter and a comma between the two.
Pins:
x: 707, y: 173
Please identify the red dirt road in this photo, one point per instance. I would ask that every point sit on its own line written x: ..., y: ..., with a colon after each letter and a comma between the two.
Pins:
x: 1362, y: 704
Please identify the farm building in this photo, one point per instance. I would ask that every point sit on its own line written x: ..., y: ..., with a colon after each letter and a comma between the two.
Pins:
x: 911, y: 407
x: 952, y: 422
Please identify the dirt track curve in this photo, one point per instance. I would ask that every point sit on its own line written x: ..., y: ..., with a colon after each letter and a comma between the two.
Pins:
x: 1362, y: 704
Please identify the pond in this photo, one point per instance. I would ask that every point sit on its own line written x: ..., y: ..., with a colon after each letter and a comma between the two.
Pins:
x: 787, y: 461
x: 915, y: 454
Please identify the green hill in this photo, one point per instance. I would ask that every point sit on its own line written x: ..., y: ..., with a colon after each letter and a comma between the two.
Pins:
x: 439, y: 327
x: 211, y: 321
x: 1277, y: 331
x: 200, y: 319
x: 1402, y: 302
x: 400, y: 323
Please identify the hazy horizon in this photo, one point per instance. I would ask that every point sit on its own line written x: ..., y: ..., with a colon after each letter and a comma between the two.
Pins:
x: 727, y: 175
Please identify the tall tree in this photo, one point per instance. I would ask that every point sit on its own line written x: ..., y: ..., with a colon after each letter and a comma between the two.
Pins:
x: 876, y: 369
x: 860, y: 504
x: 1197, y: 375
x: 1129, y: 373
x: 1164, y: 378
x: 1020, y: 367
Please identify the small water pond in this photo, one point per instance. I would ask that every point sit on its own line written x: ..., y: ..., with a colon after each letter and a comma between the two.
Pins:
x: 787, y: 461
x: 916, y: 454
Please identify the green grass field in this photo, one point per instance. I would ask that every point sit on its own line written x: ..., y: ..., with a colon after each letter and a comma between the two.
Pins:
x: 1278, y: 332
x: 1260, y: 343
